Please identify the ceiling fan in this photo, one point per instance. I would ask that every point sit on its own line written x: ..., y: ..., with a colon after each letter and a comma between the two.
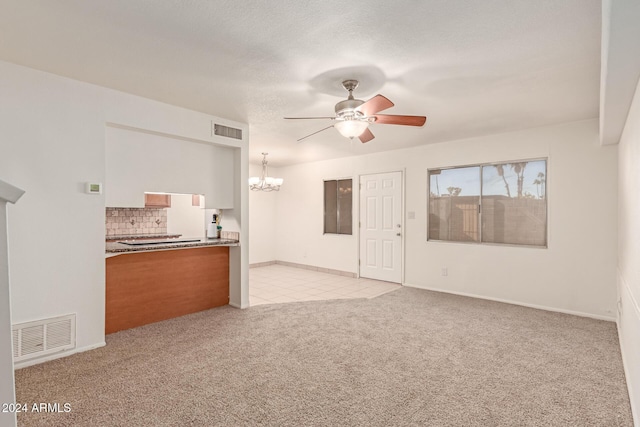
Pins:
x: 353, y: 116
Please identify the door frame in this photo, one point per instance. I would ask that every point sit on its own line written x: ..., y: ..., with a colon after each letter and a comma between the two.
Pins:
x: 403, y: 195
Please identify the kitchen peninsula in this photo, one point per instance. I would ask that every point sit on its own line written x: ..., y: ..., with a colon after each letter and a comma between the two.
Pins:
x: 153, y: 280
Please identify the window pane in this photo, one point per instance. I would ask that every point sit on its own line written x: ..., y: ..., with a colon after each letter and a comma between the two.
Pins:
x: 344, y: 206
x: 330, y: 207
x: 453, y: 204
x: 514, y: 203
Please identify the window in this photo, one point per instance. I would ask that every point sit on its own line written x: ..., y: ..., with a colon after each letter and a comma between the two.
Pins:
x: 502, y: 203
x: 337, y: 206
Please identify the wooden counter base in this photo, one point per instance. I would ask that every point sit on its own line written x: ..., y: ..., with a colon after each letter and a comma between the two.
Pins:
x: 147, y: 287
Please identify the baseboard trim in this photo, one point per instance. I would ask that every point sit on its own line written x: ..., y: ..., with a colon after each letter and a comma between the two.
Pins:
x: 506, y: 301
x: 318, y: 269
x: 635, y: 410
x: 304, y: 267
x: 50, y: 357
x: 262, y: 264
x: 236, y: 305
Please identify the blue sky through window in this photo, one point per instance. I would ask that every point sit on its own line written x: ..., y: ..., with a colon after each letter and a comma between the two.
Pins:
x: 468, y: 180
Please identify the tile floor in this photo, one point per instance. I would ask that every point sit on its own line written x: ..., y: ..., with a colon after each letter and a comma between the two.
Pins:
x: 276, y: 283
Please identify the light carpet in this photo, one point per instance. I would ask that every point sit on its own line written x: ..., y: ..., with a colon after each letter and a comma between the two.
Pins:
x: 409, y: 357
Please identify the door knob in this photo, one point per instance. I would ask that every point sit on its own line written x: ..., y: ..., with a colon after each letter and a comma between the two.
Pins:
x: 398, y: 234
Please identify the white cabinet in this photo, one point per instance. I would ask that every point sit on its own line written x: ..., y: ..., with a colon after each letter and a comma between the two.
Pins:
x: 139, y: 162
x: 221, y: 193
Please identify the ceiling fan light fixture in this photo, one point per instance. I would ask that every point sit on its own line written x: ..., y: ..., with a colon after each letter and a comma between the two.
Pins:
x: 351, y: 128
x: 353, y: 116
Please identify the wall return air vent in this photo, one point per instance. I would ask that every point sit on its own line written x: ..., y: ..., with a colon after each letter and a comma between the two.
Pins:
x: 43, y: 337
x: 226, y: 131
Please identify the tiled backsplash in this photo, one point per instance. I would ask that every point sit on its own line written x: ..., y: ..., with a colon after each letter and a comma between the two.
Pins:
x: 135, y: 221
x: 233, y: 235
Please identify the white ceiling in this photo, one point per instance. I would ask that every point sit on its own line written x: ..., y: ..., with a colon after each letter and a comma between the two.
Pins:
x: 472, y: 67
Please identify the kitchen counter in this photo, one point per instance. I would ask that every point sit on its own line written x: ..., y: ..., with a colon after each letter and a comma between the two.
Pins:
x: 114, y: 237
x: 115, y: 248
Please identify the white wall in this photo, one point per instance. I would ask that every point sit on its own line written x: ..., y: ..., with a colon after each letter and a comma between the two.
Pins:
x: 300, y: 210
x: 184, y: 218
x: 52, y: 140
x: 262, y: 220
x: 629, y: 251
x: 237, y: 219
x: 575, y: 274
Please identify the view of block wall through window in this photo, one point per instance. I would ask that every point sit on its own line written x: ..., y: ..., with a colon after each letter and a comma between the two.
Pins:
x: 338, y: 206
x: 490, y: 203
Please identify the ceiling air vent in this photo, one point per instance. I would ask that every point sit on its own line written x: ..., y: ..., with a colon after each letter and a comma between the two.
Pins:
x: 227, y: 131
x: 42, y: 337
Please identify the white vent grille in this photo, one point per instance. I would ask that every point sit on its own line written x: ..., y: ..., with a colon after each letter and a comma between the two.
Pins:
x: 31, y: 340
x: 15, y: 345
x: 42, y: 337
x: 227, y: 131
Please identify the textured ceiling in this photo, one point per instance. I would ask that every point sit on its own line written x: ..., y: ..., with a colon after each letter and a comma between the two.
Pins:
x: 473, y: 68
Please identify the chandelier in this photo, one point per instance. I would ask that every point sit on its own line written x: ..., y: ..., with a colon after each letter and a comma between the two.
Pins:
x: 265, y: 182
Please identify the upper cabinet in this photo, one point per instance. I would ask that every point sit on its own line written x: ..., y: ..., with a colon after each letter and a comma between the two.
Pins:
x: 221, y: 187
x: 139, y: 162
x: 157, y: 200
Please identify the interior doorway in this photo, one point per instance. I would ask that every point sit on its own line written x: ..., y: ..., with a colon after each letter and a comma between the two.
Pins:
x: 381, y: 226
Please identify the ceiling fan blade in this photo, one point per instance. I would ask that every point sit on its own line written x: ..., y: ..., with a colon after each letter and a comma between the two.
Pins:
x: 311, y: 134
x: 375, y: 105
x: 366, y: 136
x: 386, y: 119
x: 307, y: 118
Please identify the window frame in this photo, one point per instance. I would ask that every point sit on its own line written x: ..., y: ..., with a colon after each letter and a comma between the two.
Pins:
x: 480, y: 219
x: 338, y: 213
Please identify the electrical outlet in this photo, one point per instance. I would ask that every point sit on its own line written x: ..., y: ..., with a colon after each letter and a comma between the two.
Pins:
x: 445, y: 271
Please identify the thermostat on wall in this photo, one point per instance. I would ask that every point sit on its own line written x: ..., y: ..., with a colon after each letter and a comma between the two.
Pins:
x: 93, y: 188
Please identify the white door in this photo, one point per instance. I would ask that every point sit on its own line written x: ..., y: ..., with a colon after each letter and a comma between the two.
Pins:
x: 381, y: 226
